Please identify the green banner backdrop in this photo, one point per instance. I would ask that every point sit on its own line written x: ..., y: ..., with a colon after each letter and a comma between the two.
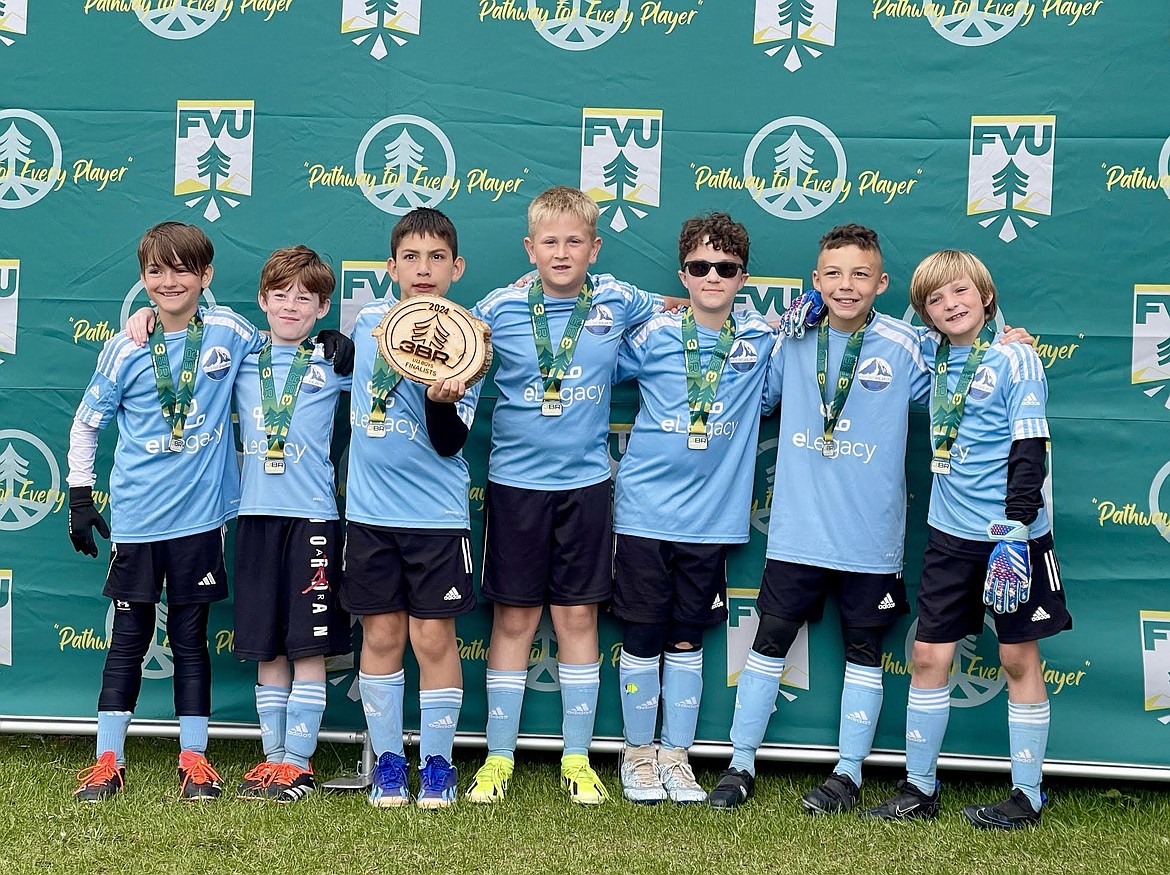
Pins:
x: 1033, y: 133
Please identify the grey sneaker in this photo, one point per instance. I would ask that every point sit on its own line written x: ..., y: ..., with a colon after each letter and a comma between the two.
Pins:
x: 640, y: 782
x: 674, y: 770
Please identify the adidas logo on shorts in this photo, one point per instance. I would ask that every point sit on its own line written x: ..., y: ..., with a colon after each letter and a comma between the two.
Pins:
x: 915, y: 736
x: 648, y: 705
x: 718, y: 603
x: 887, y: 603
x: 299, y: 731
x: 445, y: 722
x: 1041, y: 614
x: 207, y: 580
x: 452, y: 595
x: 690, y: 702
x: 858, y: 717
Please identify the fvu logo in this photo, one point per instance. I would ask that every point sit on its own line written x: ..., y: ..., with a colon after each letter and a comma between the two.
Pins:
x: 1151, y: 339
x: 13, y: 21
x: 793, y: 27
x: 767, y: 295
x: 9, y: 296
x: 213, y: 153
x: 373, y: 19
x: 1010, y: 171
x: 362, y: 282
x: 621, y: 161
x: 1155, y: 629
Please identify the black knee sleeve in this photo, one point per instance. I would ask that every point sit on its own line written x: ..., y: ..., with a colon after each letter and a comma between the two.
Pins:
x: 774, y: 636
x: 863, y: 646
x: 684, y: 633
x: 122, y: 675
x: 187, y: 630
x: 644, y: 640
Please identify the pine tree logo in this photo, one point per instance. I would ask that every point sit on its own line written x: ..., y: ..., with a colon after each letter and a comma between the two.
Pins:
x: 179, y: 21
x: 807, y: 170
x: 213, y: 154
x: 976, y: 27
x: 578, y: 25
x: 430, y: 333
x: 30, y: 481
x: 1151, y: 341
x: 373, y: 22
x: 1010, y: 173
x: 13, y: 20
x: 402, y: 153
x: 796, y: 30
x: 621, y: 162
x: 30, y: 158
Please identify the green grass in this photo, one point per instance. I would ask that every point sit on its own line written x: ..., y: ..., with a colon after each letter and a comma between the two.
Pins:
x: 1089, y: 827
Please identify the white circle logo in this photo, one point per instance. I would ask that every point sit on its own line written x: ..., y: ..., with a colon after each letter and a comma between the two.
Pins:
x: 973, y: 679
x: 574, y: 30
x: 1155, y: 494
x: 402, y: 179
x: 19, y: 146
x: 29, y: 481
x: 1164, y: 166
x: 157, y: 664
x: 794, y: 179
x: 977, y: 28
x: 137, y: 295
x: 179, y: 22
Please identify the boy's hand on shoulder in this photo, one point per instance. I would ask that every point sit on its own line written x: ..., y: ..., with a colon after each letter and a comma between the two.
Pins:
x: 83, y: 519
x: 671, y: 304
x: 338, y: 348
x: 526, y: 280
x: 1017, y: 335
x: 138, y: 328
x: 446, y: 391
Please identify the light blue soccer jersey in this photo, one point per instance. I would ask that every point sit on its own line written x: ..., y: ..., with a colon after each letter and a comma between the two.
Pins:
x: 306, y: 488
x: 156, y: 494
x: 548, y: 453
x: 849, y: 512
x: 664, y: 490
x: 399, y: 481
x: 1006, y: 402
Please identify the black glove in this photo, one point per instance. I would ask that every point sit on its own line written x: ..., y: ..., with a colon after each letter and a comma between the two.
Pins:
x: 83, y: 519
x: 338, y: 348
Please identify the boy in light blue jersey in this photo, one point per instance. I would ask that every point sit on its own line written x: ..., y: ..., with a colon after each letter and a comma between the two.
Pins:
x: 549, y: 532
x: 990, y: 542
x: 838, y: 509
x: 288, y: 537
x: 170, y: 493
x: 683, y: 494
x: 408, y: 570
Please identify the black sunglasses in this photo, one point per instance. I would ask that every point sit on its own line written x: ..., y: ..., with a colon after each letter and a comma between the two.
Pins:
x: 726, y: 269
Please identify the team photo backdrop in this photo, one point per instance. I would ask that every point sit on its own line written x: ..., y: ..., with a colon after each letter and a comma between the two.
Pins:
x: 1035, y: 134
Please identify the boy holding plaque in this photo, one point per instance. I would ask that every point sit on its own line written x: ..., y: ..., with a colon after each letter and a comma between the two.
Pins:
x: 288, y: 540
x: 838, y: 513
x: 683, y: 494
x: 408, y: 571
x: 990, y: 540
x: 174, y: 484
x: 549, y: 531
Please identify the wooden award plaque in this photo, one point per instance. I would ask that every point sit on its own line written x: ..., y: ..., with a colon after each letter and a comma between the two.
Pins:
x: 427, y: 338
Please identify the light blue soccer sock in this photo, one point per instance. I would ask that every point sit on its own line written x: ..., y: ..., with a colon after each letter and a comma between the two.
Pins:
x: 306, y: 707
x: 505, y: 699
x: 579, y: 686
x: 755, y: 699
x: 440, y: 717
x: 640, y: 689
x: 271, y: 707
x: 382, y: 696
x: 193, y: 733
x: 927, y: 714
x: 1028, y: 734
x: 682, y: 691
x: 111, y: 733
x: 861, y: 705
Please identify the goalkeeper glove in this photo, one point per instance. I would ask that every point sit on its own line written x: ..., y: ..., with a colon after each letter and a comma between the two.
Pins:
x: 1009, y: 570
x: 83, y: 519
x: 805, y: 311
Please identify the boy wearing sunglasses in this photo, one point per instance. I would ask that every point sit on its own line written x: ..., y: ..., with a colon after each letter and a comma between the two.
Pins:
x: 682, y: 496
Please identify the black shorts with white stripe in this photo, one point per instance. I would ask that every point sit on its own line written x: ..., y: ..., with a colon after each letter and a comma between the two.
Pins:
x: 950, y: 598
x: 191, y: 567
x: 425, y: 573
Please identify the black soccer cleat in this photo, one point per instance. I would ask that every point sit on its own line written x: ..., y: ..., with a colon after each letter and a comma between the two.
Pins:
x: 1015, y: 812
x: 836, y: 796
x: 909, y: 803
x: 733, y: 790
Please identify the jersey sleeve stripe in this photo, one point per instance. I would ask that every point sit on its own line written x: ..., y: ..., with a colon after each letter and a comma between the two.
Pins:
x: 1023, y: 429
x: 903, y: 335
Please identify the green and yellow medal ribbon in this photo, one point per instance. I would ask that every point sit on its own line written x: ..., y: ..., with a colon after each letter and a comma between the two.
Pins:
x: 702, y: 385
x: 946, y: 407
x: 176, y: 405
x: 278, y: 412
x: 831, y: 413
x: 553, y: 368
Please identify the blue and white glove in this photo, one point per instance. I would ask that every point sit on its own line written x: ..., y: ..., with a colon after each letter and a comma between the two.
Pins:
x: 1009, y: 569
x: 805, y: 311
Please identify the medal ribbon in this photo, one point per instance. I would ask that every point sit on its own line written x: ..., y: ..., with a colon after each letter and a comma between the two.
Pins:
x: 278, y: 413
x: 946, y: 408
x: 552, y: 370
x: 702, y: 386
x: 832, y: 413
x: 175, y: 406
x: 382, y: 383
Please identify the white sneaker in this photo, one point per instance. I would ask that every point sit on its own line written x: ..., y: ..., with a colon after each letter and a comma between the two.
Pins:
x: 639, y: 772
x: 674, y: 771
